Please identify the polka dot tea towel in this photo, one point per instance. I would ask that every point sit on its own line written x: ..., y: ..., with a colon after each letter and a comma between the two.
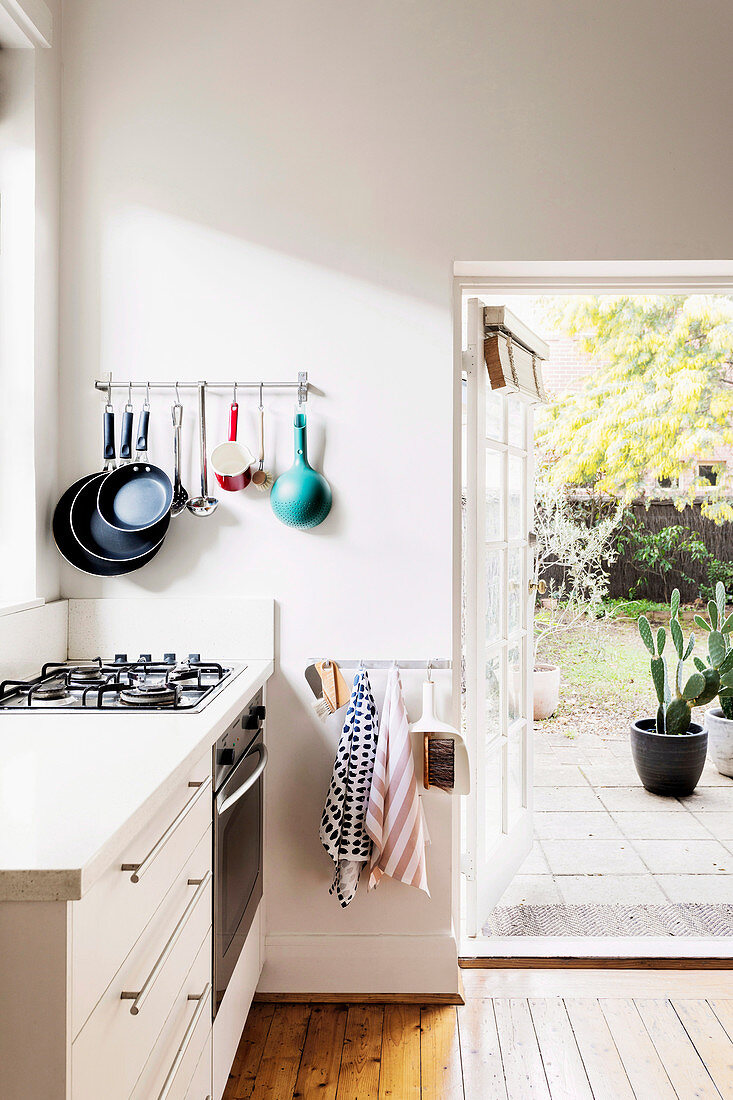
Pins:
x: 342, y: 826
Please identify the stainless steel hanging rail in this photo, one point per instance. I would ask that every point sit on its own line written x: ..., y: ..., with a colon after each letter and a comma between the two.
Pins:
x: 302, y: 384
x: 435, y: 664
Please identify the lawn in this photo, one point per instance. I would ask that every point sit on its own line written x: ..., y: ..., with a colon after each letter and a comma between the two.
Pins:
x: 605, y: 672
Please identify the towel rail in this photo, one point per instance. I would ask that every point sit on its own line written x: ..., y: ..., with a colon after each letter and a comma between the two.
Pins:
x: 434, y: 663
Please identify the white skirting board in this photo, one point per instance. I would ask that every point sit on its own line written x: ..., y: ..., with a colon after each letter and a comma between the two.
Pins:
x: 360, y: 964
x: 237, y: 629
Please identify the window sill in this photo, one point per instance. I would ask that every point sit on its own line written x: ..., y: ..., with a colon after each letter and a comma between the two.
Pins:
x: 21, y: 605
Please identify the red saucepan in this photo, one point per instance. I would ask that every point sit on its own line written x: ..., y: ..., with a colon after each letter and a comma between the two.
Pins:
x: 231, y: 461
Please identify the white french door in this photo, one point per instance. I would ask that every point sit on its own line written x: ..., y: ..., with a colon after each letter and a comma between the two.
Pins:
x: 498, y: 479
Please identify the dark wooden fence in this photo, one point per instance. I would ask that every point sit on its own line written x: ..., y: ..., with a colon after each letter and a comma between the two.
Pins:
x: 624, y: 574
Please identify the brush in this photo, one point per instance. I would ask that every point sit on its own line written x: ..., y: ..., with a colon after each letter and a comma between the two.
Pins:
x: 335, y: 690
x: 439, y: 756
x: 262, y: 479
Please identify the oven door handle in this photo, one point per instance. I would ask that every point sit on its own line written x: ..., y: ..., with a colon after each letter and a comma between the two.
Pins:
x: 227, y: 803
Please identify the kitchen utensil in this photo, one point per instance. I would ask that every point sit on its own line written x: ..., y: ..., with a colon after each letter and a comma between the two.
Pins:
x: 180, y: 495
x: 334, y: 689
x: 97, y: 537
x: 203, y: 505
x: 231, y: 461
x: 66, y: 541
x: 137, y: 495
x: 431, y: 728
x: 262, y: 479
x: 438, y: 762
x: 301, y: 497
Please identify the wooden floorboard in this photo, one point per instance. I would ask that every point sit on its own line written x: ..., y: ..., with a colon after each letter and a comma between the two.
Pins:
x: 560, y: 1047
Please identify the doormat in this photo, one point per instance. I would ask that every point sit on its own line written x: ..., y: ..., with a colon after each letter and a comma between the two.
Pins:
x: 680, y: 919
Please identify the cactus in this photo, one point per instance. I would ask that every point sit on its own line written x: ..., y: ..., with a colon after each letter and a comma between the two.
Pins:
x: 675, y: 706
x: 718, y: 672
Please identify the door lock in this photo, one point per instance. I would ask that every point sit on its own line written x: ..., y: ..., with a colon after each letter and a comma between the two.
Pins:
x: 538, y: 586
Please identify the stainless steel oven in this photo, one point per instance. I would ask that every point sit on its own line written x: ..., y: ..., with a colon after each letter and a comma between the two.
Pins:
x: 240, y: 758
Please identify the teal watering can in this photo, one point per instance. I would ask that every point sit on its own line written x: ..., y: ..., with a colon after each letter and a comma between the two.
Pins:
x: 301, y: 497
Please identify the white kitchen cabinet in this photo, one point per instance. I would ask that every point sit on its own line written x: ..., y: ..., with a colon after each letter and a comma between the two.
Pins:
x: 125, y: 908
x: 67, y: 1034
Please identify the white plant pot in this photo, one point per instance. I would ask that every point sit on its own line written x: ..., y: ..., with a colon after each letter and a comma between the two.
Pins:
x: 546, y: 689
x: 720, y: 740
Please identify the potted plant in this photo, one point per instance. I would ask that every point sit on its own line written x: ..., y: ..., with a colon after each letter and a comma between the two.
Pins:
x: 719, y: 720
x: 669, y: 750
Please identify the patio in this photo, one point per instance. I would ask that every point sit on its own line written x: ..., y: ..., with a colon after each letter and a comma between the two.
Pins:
x: 601, y: 839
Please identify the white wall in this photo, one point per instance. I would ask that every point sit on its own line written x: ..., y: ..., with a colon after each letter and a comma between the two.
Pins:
x: 29, y: 266
x: 262, y: 188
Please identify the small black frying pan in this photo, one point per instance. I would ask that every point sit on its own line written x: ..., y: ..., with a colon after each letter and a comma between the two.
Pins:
x: 93, y: 533
x: 66, y: 542
x: 137, y: 496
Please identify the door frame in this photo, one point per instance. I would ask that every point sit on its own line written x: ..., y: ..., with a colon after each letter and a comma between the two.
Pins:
x: 562, y: 277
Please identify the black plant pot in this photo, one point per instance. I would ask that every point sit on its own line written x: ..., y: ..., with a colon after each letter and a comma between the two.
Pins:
x: 668, y: 764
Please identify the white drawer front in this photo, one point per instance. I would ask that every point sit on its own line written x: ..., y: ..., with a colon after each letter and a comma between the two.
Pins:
x: 200, y: 1087
x: 113, y: 1046
x: 182, y: 1039
x: 108, y: 920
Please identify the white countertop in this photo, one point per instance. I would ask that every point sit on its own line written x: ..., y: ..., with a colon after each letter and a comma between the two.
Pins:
x: 75, y: 788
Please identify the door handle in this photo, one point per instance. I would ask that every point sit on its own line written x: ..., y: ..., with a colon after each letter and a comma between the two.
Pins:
x: 228, y: 802
x: 538, y: 586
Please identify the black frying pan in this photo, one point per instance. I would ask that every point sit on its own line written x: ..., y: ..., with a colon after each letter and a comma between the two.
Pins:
x: 137, y: 496
x: 96, y: 536
x: 66, y: 542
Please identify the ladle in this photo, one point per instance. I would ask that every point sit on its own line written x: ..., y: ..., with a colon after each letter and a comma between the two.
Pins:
x: 203, y: 505
x: 180, y: 493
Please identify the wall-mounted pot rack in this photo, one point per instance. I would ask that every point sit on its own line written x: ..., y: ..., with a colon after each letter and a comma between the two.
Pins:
x: 302, y: 385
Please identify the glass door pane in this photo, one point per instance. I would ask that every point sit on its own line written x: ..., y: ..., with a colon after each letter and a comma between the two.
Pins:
x: 498, y: 642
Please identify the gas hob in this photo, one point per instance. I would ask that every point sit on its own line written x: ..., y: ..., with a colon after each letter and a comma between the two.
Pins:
x: 120, y: 685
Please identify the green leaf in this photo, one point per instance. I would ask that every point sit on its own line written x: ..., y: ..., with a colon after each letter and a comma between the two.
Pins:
x: 676, y: 632
x: 700, y: 665
x: 674, y: 603
x: 727, y: 663
x: 690, y: 647
x: 713, y: 613
x: 725, y: 693
x: 720, y: 599
x: 658, y: 677
x: 677, y: 718
x: 661, y: 640
x: 727, y: 680
x: 716, y: 648
x: 727, y: 625
x: 646, y: 633
x: 703, y: 623
x: 694, y: 687
x: 712, y: 687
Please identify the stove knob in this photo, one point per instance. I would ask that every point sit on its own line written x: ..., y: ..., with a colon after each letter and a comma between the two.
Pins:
x: 145, y: 658
x: 250, y: 722
x: 169, y: 658
x: 120, y: 658
x: 261, y: 713
x: 194, y: 658
x: 225, y: 757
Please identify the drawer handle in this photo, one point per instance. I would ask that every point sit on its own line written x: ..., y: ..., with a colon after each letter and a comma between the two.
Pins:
x: 202, y: 999
x: 139, y: 869
x: 138, y: 998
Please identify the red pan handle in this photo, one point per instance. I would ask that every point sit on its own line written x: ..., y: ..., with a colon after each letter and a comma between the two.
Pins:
x: 233, y: 418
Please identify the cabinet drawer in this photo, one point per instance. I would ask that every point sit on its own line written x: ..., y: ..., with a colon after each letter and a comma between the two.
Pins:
x: 108, y: 920
x: 200, y: 1087
x: 113, y: 1046
x: 181, y: 1042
